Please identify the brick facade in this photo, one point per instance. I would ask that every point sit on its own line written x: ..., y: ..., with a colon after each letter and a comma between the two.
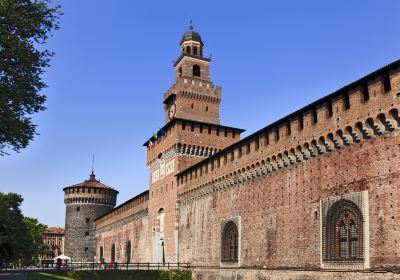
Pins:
x: 53, y: 240
x: 276, y: 189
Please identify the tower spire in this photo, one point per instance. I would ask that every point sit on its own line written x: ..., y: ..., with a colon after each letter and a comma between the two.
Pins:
x: 92, y: 176
x: 190, y: 25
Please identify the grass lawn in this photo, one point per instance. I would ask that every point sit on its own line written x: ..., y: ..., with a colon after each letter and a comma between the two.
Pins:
x: 46, y: 276
x: 113, y: 275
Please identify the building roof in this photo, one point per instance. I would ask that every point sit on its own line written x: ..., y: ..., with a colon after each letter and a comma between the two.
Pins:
x: 54, y: 230
x: 92, y: 182
x: 123, y: 204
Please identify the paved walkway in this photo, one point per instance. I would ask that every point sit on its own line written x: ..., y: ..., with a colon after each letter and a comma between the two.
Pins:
x: 13, y: 276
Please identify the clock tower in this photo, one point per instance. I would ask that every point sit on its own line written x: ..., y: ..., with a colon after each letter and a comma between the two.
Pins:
x: 193, y: 95
x: 192, y: 132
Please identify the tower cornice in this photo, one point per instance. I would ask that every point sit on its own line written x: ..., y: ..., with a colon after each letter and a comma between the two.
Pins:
x: 205, y: 59
x: 176, y: 120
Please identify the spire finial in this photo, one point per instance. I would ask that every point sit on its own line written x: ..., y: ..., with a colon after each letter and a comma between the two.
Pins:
x: 92, y: 176
x: 190, y: 25
x: 92, y: 163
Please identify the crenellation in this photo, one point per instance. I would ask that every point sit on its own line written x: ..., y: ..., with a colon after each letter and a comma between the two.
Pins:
x: 338, y: 106
x: 307, y: 119
x: 356, y: 97
x: 394, y: 78
x: 322, y: 111
x: 283, y: 130
x: 376, y: 87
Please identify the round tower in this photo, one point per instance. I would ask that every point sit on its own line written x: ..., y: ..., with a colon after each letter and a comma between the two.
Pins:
x: 85, y: 202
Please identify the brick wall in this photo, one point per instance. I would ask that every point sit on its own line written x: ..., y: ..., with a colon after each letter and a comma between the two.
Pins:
x: 347, y: 142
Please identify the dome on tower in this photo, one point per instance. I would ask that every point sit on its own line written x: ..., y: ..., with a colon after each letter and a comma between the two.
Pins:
x: 92, y: 182
x: 191, y: 35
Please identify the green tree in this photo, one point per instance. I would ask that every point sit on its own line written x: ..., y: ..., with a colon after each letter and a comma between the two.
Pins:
x: 25, y: 26
x: 20, y: 237
x: 35, y: 231
x: 13, y: 232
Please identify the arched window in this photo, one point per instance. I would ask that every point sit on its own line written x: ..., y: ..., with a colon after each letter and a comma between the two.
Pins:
x: 230, y: 242
x: 188, y: 49
x: 113, y: 252
x: 196, y: 70
x: 128, y: 251
x: 161, y: 217
x: 101, y: 253
x: 344, y: 232
x: 195, y: 50
x: 180, y: 72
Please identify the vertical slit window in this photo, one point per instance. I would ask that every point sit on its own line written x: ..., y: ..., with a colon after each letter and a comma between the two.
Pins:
x: 386, y: 83
x: 346, y: 101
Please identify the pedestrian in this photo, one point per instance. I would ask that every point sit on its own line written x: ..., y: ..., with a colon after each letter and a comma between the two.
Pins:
x: 59, y: 263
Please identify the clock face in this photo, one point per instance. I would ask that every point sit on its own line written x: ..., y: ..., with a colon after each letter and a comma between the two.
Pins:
x: 172, y: 111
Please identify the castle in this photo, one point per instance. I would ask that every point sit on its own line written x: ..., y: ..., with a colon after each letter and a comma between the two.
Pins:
x: 314, y: 195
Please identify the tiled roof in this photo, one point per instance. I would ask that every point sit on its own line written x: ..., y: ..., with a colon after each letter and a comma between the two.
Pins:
x: 54, y: 230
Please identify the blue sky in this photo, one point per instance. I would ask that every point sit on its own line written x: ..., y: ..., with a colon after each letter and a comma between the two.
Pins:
x: 114, y: 60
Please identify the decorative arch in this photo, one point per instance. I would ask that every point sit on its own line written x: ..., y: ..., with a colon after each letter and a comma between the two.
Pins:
x: 230, y: 242
x: 344, y: 232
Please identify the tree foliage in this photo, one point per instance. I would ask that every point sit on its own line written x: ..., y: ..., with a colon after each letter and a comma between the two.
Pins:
x: 35, y: 231
x: 25, y: 26
x: 20, y: 237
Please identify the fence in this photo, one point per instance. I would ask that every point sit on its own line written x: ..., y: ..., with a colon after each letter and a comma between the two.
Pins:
x: 120, y: 266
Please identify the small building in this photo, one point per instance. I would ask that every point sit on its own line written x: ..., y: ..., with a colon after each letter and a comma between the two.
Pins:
x: 53, y: 240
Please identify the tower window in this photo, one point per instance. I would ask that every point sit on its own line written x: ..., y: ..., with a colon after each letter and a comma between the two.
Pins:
x: 206, y: 108
x: 195, y: 50
x: 78, y: 208
x: 87, y: 220
x: 188, y: 49
x: 180, y: 72
x: 196, y: 70
x: 191, y: 106
x: 86, y: 233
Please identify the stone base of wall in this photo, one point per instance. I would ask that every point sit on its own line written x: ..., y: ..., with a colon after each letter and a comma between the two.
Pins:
x: 263, y: 274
